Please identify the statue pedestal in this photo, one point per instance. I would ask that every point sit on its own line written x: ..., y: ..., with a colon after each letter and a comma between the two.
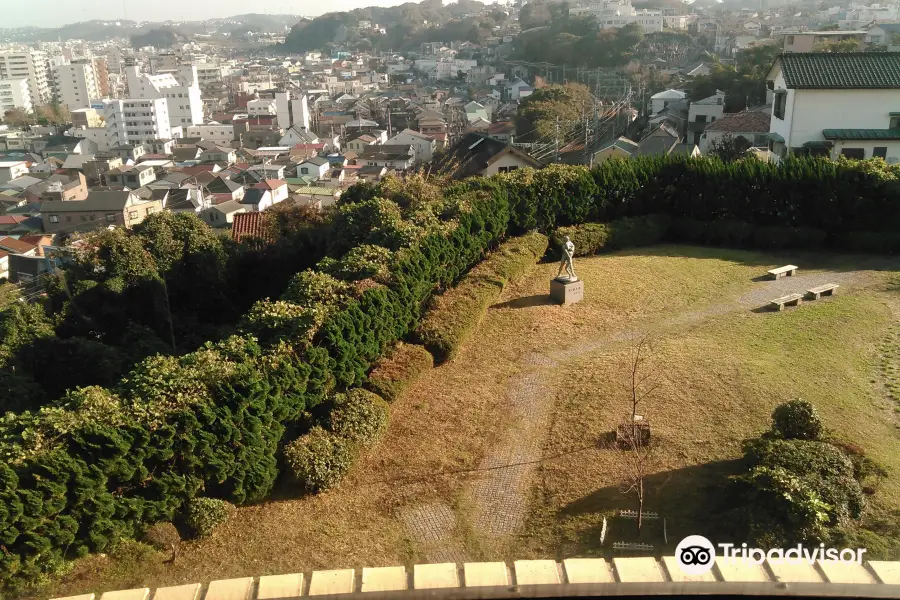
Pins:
x: 566, y: 292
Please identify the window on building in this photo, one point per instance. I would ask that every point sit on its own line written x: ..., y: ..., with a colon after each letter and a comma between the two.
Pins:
x: 895, y: 122
x: 304, y: 170
x: 856, y: 153
x: 790, y: 40
x: 780, y: 103
x: 54, y: 218
x: 879, y: 152
x: 132, y: 214
x: 149, y: 211
x: 506, y: 169
x: 110, y: 217
x: 84, y: 218
x: 700, y: 119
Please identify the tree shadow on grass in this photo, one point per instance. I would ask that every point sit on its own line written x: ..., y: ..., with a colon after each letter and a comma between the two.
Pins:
x: 525, y: 302
x: 689, y: 499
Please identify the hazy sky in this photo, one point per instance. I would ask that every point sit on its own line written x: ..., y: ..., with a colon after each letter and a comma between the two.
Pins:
x: 53, y: 13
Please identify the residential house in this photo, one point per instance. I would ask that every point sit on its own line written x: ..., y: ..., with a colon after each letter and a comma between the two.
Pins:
x: 11, y: 169
x: 371, y: 174
x: 620, y: 148
x: 477, y: 154
x: 518, y: 89
x: 102, y: 208
x: 430, y: 122
x: 265, y: 194
x: 502, y: 131
x: 360, y: 142
x: 223, y: 185
x: 663, y: 141
x: 842, y: 103
x: 16, y: 246
x: 317, y: 167
x: 126, y: 153
x: 219, y: 154
x: 885, y: 34
x: 222, y: 214
x: 58, y: 187
x: 248, y: 226
x: 475, y: 111
x: 661, y: 100
x: 160, y: 146
x: 132, y: 177
x: 297, y: 134
x: 702, y: 112
x: 422, y: 145
x: 400, y: 156
x: 320, y: 197
x: 809, y: 41
x: 752, y: 126
x: 180, y: 200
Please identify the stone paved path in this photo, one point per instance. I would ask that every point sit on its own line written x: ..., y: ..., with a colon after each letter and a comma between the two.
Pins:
x: 500, y: 486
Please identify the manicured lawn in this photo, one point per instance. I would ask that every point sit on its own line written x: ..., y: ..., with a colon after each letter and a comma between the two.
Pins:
x: 722, y: 366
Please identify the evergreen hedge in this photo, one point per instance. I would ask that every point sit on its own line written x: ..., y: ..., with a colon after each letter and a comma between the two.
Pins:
x: 397, y: 369
x: 454, y: 315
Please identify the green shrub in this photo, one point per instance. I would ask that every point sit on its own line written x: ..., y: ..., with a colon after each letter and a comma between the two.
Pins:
x: 320, y: 459
x: 399, y: 368
x: 203, y: 515
x: 359, y: 416
x: 312, y: 288
x: 777, y: 237
x: 454, y: 315
x: 872, y: 241
x: 796, y: 420
x: 728, y: 233
x: 631, y: 232
x: 688, y: 231
x: 820, y: 465
x: 591, y: 238
x: 163, y: 536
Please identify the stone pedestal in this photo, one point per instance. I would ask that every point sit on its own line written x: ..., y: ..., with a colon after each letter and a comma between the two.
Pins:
x: 566, y: 292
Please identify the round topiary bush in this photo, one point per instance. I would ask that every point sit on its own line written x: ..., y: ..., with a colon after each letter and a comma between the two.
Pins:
x: 359, y: 416
x: 796, y: 420
x: 320, y: 459
x: 203, y: 515
x: 162, y: 536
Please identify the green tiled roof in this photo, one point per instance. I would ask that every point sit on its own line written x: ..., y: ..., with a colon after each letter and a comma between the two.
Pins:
x: 861, y: 134
x: 841, y: 70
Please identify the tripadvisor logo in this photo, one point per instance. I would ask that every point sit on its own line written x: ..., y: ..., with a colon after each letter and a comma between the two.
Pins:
x: 696, y: 555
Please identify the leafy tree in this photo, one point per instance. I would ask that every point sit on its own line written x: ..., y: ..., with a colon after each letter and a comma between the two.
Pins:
x: 539, y: 113
x: 796, y: 420
x: 848, y: 45
x: 16, y: 117
x: 730, y: 148
x: 20, y: 325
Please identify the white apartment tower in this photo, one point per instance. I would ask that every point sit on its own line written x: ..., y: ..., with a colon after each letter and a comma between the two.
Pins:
x: 14, y: 93
x: 130, y: 122
x: 76, y: 84
x: 32, y: 66
x: 180, y: 90
x: 291, y: 111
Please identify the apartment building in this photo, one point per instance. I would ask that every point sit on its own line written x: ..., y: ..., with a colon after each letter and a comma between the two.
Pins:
x: 32, y: 66
x: 618, y: 13
x: 212, y: 132
x: 15, y: 93
x: 101, y: 74
x: 76, y: 84
x: 130, y: 122
x: 180, y: 90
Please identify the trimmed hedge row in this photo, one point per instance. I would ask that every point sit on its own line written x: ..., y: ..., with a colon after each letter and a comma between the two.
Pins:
x: 397, y: 369
x: 591, y: 238
x: 454, y: 315
x: 106, y: 463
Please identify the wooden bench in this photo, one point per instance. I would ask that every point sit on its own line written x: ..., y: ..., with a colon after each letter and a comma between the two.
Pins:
x: 785, y: 271
x: 822, y: 290
x: 789, y: 300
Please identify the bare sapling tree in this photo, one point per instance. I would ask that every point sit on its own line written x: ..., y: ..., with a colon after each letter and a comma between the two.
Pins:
x: 634, y: 459
x: 633, y: 437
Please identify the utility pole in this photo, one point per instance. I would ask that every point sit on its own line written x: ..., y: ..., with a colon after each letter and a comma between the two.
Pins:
x: 556, y: 141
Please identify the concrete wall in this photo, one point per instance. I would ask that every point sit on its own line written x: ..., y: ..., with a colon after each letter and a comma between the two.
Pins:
x: 594, y: 576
